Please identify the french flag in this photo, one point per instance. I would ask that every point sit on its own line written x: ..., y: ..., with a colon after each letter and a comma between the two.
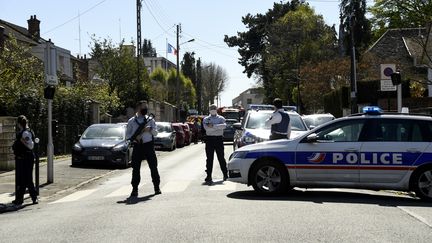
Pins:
x: 171, y: 49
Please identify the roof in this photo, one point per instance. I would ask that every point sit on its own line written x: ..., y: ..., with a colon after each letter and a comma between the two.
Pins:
x: 20, y: 33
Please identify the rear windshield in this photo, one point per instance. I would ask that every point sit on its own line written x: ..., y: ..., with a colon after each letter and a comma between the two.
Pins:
x: 257, y: 121
x: 105, y: 132
x: 163, y: 128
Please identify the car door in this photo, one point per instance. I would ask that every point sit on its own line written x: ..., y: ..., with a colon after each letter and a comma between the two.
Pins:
x: 333, y: 157
x: 391, y: 149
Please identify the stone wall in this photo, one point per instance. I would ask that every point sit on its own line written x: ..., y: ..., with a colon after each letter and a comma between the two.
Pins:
x: 7, y: 137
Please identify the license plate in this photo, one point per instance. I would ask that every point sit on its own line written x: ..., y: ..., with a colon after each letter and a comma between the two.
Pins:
x: 96, y: 158
x: 158, y: 146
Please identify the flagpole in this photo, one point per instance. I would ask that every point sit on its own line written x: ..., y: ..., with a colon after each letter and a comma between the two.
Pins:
x: 166, y: 54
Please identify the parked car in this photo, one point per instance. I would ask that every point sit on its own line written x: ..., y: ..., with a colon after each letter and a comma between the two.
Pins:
x: 253, y: 129
x: 194, y: 131
x: 229, y: 130
x: 166, y: 137
x: 315, y: 120
x: 187, y: 132
x: 103, y: 143
x: 180, y: 135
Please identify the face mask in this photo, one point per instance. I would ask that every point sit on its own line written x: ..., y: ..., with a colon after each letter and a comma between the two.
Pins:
x: 144, y: 111
x: 213, y: 112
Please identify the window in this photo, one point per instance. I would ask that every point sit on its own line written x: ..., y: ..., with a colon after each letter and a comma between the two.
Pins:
x: 397, y: 130
x: 346, y: 131
x: 249, y: 101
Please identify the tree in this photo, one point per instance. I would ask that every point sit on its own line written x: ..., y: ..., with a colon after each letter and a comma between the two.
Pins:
x: 188, y: 67
x: 214, y: 81
x: 117, y: 66
x: 252, y: 43
x: 159, y: 85
x: 147, y: 49
x: 299, y: 38
x: 399, y: 14
x: 354, y: 11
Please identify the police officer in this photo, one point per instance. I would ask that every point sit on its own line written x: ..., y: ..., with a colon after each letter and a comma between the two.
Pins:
x: 279, y: 122
x: 24, y: 161
x: 143, y: 146
x: 214, y: 126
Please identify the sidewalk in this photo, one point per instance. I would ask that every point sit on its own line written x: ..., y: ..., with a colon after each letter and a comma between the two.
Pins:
x: 65, y: 178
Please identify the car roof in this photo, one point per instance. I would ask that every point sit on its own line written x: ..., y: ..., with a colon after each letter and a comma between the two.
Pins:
x: 271, y: 111
x: 108, y: 125
x: 389, y: 116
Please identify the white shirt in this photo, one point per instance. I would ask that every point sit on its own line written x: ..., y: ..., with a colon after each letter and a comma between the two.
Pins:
x: 276, y: 118
x: 132, y: 126
x: 218, y: 125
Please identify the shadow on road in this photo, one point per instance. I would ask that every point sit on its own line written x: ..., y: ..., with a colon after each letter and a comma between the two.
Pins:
x: 135, y: 200
x: 317, y: 196
x: 10, y: 207
x: 98, y: 166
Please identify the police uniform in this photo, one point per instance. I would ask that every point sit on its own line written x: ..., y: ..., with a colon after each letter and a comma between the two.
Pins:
x: 143, y: 149
x: 24, y: 161
x: 214, y: 142
x: 280, y: 125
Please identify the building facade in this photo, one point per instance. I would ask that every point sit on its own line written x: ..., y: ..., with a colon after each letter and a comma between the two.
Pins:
x: 249, y: 96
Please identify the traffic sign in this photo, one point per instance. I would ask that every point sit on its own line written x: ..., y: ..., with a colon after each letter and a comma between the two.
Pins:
x: 386, y: 71
x: 51, y: 80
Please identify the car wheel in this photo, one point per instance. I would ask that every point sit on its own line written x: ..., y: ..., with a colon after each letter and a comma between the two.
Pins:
x: 422, y: 183
x: 269, y: 178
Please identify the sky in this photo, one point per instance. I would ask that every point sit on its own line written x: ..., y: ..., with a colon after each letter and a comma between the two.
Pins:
x: 71, y: 24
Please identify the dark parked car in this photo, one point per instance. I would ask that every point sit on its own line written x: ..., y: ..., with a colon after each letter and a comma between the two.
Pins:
x: 103, y: 143
x: 166, y: 137
x: 187, y: 132
x: 229, y: 130
x: 180, y: 135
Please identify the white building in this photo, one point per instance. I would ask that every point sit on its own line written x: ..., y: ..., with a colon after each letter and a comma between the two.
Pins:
x: 249, y: 96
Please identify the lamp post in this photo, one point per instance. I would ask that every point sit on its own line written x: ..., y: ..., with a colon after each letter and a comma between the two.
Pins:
x: 178, y: 71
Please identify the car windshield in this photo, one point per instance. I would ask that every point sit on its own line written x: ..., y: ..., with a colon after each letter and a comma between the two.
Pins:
x: 317, y: 120
x: 104, y: 132
x: 231, y: 115
x: 163, y: 128
x: 257, y: 121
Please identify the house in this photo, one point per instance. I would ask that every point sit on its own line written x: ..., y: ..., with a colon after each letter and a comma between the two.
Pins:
x: 154, y: 62
x: 249, y: 96
x: 30, y: 36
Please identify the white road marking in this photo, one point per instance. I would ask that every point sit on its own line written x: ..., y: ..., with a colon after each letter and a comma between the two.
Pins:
x: 226, y: 186
x: 122, y: 191
x: 416, y: 216
x: 6, y: 198
x: 75, y: 196
x: 175, y: 186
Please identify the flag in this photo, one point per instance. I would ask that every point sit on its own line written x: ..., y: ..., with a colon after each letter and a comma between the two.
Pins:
x: 171, y: 49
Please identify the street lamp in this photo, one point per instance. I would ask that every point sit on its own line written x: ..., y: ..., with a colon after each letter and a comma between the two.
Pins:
x: 178, y: 71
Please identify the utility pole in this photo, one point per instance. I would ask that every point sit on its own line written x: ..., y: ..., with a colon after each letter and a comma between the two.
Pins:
x: 138, y: 42
x: 51, y: 81
x: 353, y: 66
x: 178, y: 103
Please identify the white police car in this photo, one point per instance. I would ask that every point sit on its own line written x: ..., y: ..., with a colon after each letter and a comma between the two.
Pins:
x: 372, y: 150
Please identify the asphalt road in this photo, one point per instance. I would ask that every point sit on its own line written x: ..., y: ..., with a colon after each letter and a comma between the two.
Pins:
x: 189, y: 211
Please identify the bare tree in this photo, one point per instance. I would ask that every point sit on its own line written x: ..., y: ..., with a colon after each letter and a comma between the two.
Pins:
x: 214, y: 81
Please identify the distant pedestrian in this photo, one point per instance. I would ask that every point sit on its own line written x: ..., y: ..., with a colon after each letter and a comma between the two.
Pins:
x: 214, y: 126
x: 141, y: 130
x: 279, y: 122
x: 24, y: 161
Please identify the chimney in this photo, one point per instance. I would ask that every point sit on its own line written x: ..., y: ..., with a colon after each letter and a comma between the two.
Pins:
x: 33, y: 27
x: 2, y: 38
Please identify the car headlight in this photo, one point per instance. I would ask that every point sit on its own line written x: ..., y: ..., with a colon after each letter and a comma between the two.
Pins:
x: 249, y: 138
x: 238, y: 155
x: 120, y: 147
x: 77, y: 147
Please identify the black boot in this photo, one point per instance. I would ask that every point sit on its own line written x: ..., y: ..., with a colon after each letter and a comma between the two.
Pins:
x: 134, y: 192
x: 208, y: 179
x: 35, y: 200
x: 157, y: 190
x: 18, y: 202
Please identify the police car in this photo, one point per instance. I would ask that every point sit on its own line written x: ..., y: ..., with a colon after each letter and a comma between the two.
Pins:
x: 372, y: 150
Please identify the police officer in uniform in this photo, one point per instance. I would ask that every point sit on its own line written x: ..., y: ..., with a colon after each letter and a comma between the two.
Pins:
x: 24, y: 161
x: 143, y: 146
x: 279, y: 122
x: 214, y: 126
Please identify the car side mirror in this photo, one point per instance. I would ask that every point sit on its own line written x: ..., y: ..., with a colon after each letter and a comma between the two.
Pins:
x: 311, y: 138
x: 238, y: 126
x: 37, y: 140
x: 311, y: 127
x: 79, y: 136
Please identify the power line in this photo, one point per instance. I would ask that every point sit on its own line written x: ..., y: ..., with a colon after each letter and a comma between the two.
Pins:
x: 155, y: 19
x: 72, y: 19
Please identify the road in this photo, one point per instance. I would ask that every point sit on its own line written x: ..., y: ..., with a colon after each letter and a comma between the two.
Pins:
x: 189, y: 211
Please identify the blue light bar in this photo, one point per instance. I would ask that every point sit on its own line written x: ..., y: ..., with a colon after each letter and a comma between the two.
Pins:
x: 372, y: 110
